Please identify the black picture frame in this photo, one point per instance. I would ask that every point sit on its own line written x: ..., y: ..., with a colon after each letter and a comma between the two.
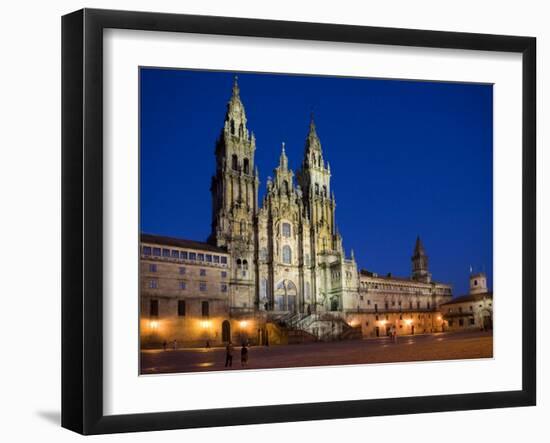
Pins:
x: 82, y: 218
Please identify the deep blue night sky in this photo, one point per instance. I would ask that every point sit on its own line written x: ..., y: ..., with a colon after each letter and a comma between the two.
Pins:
x: 407, y: 158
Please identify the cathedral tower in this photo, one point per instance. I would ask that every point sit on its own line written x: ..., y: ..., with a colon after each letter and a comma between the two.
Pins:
x: 234, y: 191
x: 319, y: 204
x: 478, y: 283
x: 420, y: 263
x: 234, y: 188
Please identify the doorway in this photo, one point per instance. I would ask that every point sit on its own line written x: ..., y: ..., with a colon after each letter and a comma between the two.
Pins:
x: 226, y: 331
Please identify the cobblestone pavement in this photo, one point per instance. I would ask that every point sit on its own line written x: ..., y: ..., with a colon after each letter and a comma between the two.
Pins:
x: 442, y: 346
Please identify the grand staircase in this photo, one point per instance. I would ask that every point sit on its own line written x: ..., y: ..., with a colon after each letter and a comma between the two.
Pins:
x: 300, y: 328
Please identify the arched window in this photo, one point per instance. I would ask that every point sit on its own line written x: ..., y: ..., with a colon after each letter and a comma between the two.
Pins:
x: 285, y: 187
x: 241, y: 131
x: 316, y: 189
x: 234, y: 162
x: 307, y: 291
x: 287, y: 254
x: 263, y: 254
x: 232, y: 123
x: 286, y: 230
x: 324, y: 190
x: 242, y: 267
x: 245, y: 166
x: 242, y: 227
x: 263, y: 289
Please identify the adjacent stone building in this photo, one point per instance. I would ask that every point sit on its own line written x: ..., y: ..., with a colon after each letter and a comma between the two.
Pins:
x: 471, y: 311
x: 275, y: 272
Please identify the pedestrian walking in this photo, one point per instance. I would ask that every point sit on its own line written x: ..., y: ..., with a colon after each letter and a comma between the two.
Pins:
x: 229, y: 355
x: 393, y: 334
x: 164, y: 344
x: 175, y: 344
x: 244, y: 355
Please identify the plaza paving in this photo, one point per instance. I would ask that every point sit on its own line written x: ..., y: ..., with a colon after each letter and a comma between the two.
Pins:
x: 442, y: 346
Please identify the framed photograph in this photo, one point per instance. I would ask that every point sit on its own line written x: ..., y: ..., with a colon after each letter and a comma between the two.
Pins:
x: 269, y: 221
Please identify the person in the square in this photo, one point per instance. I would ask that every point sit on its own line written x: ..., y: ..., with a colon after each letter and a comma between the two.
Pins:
x: 229, y: 355
x: 244, y: 355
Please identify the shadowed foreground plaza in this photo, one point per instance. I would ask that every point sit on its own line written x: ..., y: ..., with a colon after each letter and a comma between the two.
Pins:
x: 442, y: 346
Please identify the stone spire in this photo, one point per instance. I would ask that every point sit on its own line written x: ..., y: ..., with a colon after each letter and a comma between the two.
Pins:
x: 235, y: 118
x: 312, y: 141
x: 314, y: 180
x: 283, y: 175
x: 234, y: 186
x: 419, y: 247
x: 420, y: 263
x: 283, y: 159
x: 236, y: 90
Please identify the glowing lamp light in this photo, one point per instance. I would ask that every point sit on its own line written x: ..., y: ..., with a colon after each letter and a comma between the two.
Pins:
x: 408, y: 321
x: 383, y: 322
x: 243, y: 324
x: 439, y: 317
x: 205, y: 324
x: 154, y: 324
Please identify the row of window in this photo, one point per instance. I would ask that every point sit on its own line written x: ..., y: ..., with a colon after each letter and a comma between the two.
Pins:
x: 387, y: 317
x: 470, y: 308
x: 149, y: 251
x: 471, y: 322
x: 183, y: 270
x: 235, y: 164
x: 317, y: 191
x: 399, y: 304
x: 182, y: 308
x: 366, y: 285
x: 154, y: 284
x: 410, y: 304
x: 316, y: 160
x: 287, y: 255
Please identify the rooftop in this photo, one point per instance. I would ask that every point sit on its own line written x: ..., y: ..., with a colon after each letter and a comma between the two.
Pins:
x: 180, y: 243
x: 390, y: 277
x: 469, y: 298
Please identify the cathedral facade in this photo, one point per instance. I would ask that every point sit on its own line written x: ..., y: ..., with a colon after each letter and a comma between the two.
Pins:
x: 287, y: 276
x: 287, y: 253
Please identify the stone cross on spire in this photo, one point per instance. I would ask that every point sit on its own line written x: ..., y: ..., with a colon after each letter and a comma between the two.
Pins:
x: 236, y: 89
x: 283, y: 160
x: 312, y: 129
